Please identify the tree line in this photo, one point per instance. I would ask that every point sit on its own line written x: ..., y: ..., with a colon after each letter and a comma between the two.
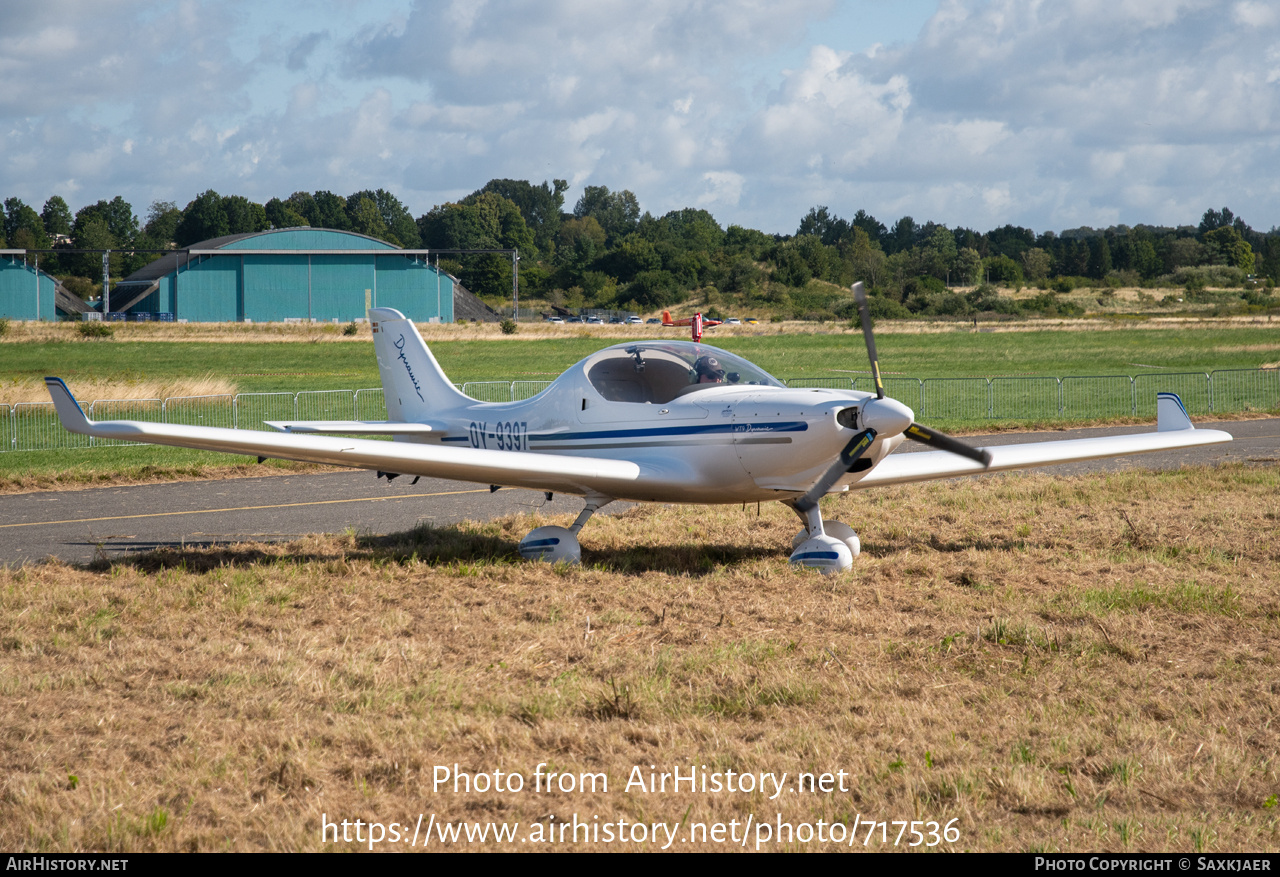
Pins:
x: 607, y: 253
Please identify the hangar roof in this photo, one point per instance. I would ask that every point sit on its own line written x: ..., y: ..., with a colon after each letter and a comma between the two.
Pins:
x: 301, y: 239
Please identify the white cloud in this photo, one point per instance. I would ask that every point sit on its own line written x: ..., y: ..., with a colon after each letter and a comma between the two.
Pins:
x: 1255, y: 14
x: 724, y: 188
x: 1079, y: 95
x: 828, y: 117
x: 1048, y: 113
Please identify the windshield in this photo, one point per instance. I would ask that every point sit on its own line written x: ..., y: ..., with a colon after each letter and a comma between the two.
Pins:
x: 659, y: 371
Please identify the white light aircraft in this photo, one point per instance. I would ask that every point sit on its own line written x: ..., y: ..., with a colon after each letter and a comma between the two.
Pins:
x: 647, y: 421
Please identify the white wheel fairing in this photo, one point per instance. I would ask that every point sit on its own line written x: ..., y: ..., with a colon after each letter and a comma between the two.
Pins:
x: 836, y: 529
x: 845, y: 534
x: 552, y: 544
x: 826, y: 554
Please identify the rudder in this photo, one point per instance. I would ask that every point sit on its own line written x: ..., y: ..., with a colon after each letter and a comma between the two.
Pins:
x: 414, y: 385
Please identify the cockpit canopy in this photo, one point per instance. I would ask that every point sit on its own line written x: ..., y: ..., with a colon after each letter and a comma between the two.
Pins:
x: 659, y: 371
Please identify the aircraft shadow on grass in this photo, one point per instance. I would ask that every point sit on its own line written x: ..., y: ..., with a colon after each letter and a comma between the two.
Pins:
x: 445, y: 545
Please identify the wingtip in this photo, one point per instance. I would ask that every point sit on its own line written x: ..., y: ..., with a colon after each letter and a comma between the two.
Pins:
x: 1171, y: 414
x: 69, y: 411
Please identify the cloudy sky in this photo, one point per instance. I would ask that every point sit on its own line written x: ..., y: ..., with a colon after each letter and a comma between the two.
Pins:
x: 1048, y: 114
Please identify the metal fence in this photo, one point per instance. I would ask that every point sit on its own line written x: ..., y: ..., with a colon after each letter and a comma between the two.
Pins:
x: 201, y: 411
x: 326, y: 405
x: 147, y: 410
x: 503, y: 391
x: 252, y: 410
x: 371, y: 405
x: 955, y: 399
x: 1025, y: 398
x: 34, y: 426
x: 1095, y: 396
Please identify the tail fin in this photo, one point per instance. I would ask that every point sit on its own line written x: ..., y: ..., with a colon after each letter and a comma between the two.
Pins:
x: 666, y: 317
x: 413, y: 383
x: 69, y: 410
x: 1171, y: 414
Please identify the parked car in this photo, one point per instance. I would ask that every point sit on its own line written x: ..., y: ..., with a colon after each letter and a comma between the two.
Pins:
x: 652, y: 320
x: 733, y: 321
x: 752, y: 321
x: 555, y: 320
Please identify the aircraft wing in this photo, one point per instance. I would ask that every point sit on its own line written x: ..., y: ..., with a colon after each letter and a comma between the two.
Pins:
x: 1174, y: 430
x: 555, y: 472
x: 351, y: 427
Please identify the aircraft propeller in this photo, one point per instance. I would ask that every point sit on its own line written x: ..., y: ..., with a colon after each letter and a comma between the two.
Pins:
x: 916, y: 431
x: 882, y: 415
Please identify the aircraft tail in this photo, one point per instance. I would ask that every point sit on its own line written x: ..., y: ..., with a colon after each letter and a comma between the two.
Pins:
x: 666, y: 318
x: 413, y: 383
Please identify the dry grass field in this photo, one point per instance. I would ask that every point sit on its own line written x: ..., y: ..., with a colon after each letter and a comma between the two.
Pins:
x: 1056, y: 664
x: 328, y: 333
x: 28, y: 389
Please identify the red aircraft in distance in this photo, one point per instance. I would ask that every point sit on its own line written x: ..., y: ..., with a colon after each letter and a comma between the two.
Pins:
x: 697, y: 322
x: 688, y: 321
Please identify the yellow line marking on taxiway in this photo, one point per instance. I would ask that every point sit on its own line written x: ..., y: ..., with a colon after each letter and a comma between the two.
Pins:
x: 247, y: 508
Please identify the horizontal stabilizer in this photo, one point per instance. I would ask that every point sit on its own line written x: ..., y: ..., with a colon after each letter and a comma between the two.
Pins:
x: 350, y: 427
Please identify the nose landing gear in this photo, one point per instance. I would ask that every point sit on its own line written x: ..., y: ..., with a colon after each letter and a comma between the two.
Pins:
x: 828, y: 546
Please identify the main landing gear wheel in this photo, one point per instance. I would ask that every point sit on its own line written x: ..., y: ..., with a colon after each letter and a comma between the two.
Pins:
x: 552, y: 544
x: 560, y: 544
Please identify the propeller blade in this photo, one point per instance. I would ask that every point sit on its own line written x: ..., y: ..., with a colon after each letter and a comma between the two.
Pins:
x: 864, y: 314
x: 944, y: 442
x: 916, y: 431
x: 851, y: 454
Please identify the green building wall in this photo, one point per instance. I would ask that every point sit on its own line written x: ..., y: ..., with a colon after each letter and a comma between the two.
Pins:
x: 272, y: 287
x: 25, y: 293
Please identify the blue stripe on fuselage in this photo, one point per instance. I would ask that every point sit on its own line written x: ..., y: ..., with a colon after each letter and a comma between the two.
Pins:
x: 661, y: 432
x: 715, y: 429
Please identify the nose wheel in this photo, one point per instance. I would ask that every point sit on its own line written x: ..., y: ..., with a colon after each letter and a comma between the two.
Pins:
x: 835, y: 529
x: 827, y: 546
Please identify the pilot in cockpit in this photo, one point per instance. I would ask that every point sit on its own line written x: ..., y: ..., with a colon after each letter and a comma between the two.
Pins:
x: 708, y: 370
